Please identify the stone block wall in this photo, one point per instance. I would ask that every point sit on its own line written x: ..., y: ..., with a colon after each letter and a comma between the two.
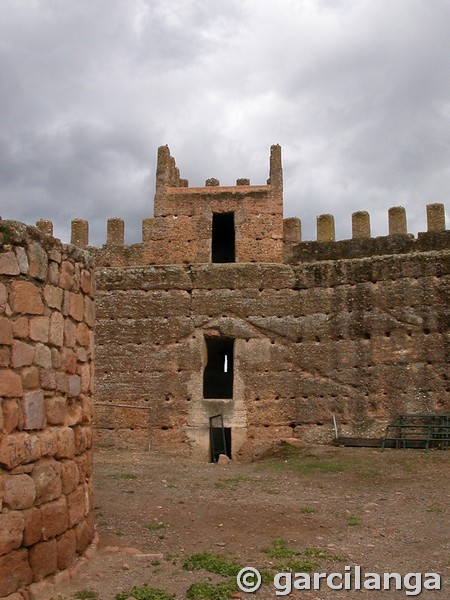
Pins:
x: 361, y: 338
x: 46, y: 387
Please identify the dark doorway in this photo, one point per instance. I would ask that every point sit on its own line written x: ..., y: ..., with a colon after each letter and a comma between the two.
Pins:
x: 220, y: 437
x: 223, y: 238
x: 218, y: 373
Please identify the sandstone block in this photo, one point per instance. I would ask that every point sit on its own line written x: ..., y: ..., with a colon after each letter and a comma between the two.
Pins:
x: 75, y: 502
x: 85, y: 378
x: 84, y: 532
x: 5, y: 356
x: 55, y: 518
x: 74, y: 385
x: 33, y: 526
x: 33, y: 410
x: 66, y: 442
x: 56, y: 331
x: 70, y: 476
x: 66, y: 549
x: 6, y: 331
x: 18, y: 448
x: 53, y: 274
x: 9, y: 264
x: 61, y: 382
x: 10, y: 383
x: 38, y: 262
x: 43, y: 559
x: 76, y: 308
x: 85, y: 281
x: 69, y: 360
x: 56, y: 358
x: 25, y: 298
x: 47, y: 479
x: 89, y: 311
x: 70, y: 333
x: 20, y: 491
x: 21, y: 327
x: 48, y: 441
x: 22, y: 259
x: 53, y: 296
x: 39, y: 328
x: 43, y: 356
x: 74, y: 414
x: 22, y: 354
x: 44, y: 590
x: 15, y: 571
x: 48, y: 379
x: 66, y: 275
x: 30, y: 377
x: 55, y: 410
x: 3, y: 297
x: 83, y: 334
x: 11, y: 531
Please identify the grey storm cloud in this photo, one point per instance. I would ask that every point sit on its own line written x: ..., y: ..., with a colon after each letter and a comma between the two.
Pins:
x: 356, y: 92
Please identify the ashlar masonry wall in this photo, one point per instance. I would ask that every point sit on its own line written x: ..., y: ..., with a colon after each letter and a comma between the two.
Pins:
x: 46, y: 386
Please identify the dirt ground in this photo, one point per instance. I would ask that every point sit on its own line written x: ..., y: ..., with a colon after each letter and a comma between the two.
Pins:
x: 385, y: 511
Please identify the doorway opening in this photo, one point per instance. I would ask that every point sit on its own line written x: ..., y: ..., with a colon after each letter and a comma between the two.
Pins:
x: 220, y: 438
x: 218, y: 373
x: 223, y: 238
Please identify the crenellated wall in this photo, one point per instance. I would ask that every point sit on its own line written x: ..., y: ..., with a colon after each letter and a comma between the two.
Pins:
x: 356, y: 328
x: 46, y: 390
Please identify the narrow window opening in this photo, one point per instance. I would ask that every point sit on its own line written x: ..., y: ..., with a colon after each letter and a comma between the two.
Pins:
x: 223, y: 238
x: 218, y: 374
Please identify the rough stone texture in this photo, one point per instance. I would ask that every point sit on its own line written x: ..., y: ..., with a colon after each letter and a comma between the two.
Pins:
x: 46, y: 300
x: 354, y: 328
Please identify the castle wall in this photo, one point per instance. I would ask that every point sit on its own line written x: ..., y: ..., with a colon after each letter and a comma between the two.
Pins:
x: 46, y: 387
x: 361, y: 338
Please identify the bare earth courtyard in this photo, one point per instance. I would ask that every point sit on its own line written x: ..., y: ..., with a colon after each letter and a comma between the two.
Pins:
x: 169, y: 522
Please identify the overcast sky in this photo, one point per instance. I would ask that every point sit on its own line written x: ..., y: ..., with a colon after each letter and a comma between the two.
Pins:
x: 357, y: 93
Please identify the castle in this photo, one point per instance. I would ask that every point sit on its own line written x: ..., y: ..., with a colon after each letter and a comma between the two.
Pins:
x: 222, y: 309
x: 221, y: 332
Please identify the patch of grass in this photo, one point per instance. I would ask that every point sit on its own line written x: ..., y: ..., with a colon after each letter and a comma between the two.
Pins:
x: 145, y: 593
x: 279, y: 549
x: 436, y: 509
x: 120, y: 533
x: 298, y: 566
x: 213, y: 563
x: 231, y: 482
x: 86, y: 595
x: 308, y: 510
x: 353, y: 521
x: 324, y: 554
x: 203, y: 590
x: 125, y: 476
x: 156, y: 526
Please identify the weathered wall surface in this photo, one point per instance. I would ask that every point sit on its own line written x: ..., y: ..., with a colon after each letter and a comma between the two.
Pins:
x: 46, y: 386
x: 363, y: 338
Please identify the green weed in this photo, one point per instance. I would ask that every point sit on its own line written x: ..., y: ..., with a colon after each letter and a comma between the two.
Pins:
x: 145, y: 593
x: 86, y: 595
x: 231, y: 482
x: 156, y: 526
x: 213, y: 563
x: 203, y: 590
x: 324, y: 554
x: 125, y: 476
x: 279, y: 549
x: 308, y: 510
x: 353, y: 521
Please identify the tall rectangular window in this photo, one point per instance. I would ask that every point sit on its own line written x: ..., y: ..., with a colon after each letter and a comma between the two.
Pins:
x: 218, y: 373
x: 223, y: 238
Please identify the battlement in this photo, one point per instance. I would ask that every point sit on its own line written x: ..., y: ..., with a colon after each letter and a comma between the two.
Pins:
x: 296, y: 250
x: 244, y: 223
